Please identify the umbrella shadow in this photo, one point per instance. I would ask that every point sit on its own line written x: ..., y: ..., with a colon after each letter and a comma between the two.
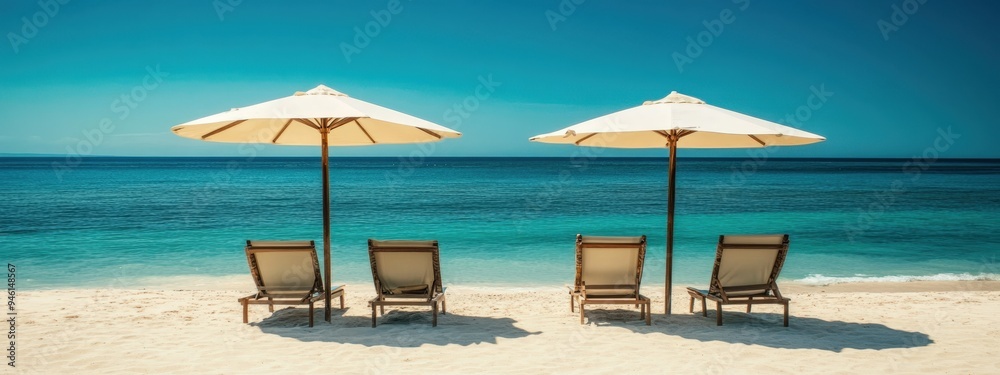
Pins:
x: 766, y: 329
x: 397, y: 328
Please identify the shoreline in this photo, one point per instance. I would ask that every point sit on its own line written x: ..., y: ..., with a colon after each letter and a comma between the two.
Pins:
x: 243, y: 282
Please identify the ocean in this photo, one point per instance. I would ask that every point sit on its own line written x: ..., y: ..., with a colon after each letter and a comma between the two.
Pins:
x: 125, y: 221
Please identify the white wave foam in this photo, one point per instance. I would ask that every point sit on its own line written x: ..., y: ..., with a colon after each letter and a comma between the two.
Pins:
x: 818, y: 279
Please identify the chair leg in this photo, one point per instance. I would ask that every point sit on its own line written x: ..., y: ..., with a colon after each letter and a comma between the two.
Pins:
x: 581, y: 313
x: 381, y: 310
x: 571, y: 300
x: 749, y: 304
x: 704, y: 308
x: 341, y: 301
x: 270, y: 304
x: 434, y: 319
x: 649, y: 318
x: 718, y: 313
x: 373, y: 315
x: 444, y: 306
x: 786, y: 314
x: 691, y: 305
x: 311, y: 309
x: 245, y: 305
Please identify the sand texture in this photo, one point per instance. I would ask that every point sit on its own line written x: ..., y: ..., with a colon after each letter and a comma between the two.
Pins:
x: 910, y: 327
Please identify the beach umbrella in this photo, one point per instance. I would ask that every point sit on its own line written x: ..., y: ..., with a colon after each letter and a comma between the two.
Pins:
x: 319, y: 117
x: 677, y: 121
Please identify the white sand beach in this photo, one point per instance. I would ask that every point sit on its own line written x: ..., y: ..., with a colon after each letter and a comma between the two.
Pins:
x: 927, y: 327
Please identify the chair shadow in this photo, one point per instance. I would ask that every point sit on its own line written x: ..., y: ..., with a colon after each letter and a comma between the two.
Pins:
x: 397, y: 328
x: 766, y: 329
x: 612, y: 316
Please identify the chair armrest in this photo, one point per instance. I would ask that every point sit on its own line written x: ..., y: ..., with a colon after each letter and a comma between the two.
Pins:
x: 698, y: 291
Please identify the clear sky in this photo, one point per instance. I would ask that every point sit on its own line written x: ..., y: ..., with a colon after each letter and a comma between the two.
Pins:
x: 117, y: 75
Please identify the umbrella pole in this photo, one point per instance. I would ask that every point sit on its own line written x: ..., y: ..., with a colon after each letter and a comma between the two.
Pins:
x: 672, y: 173
x: 326, y: 221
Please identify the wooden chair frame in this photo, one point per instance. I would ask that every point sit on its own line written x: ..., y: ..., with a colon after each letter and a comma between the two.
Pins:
x: 578, y: 292
x: 720, y: 294
x: 267, y: 295
x: 434, y: 296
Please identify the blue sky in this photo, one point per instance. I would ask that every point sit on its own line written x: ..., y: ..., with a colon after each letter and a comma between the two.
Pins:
x: 895, y: 87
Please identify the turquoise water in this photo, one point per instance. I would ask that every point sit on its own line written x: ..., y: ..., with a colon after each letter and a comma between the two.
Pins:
x: 511, y: 221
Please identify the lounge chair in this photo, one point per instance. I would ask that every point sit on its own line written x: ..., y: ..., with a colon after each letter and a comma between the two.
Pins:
x: 286, y: 273
x: 746, y: 267
x: 609, y: 271
x: 406, y: 273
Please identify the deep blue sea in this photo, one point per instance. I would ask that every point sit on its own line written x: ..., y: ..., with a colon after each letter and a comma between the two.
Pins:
x: 510, y: 221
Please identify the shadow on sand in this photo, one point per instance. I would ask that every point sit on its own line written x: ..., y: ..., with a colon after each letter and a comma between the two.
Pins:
x: 397, y: 328
x: 412, y: 328
x: 765, y: 329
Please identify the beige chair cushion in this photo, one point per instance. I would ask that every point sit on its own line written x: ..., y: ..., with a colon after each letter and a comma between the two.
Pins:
x: 404, y: 270
x: 746, y: 267
x: 741, y: 266
x: 287, y: 271
x: 754, y: 239
x: 609, y: 266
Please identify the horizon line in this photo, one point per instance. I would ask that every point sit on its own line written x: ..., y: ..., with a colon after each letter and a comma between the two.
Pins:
x: 58, y: 156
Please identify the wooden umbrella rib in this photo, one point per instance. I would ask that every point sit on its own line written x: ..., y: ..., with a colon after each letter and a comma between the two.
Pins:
x: 584, y: 138
x: 222, y: 129
x: 282, y: 131
x: 683, y: 133
x: 365, y: 131
x: 435, y: 135
x: 663, y: 133
x: 307, y: 122
x: 757, y: 139
x: 341, y: 122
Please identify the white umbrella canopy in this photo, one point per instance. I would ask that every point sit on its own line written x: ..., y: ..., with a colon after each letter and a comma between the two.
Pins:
x: 319, y: 117
x: 294, y: 120
x: 677, y: 121
x: 704, y: 126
